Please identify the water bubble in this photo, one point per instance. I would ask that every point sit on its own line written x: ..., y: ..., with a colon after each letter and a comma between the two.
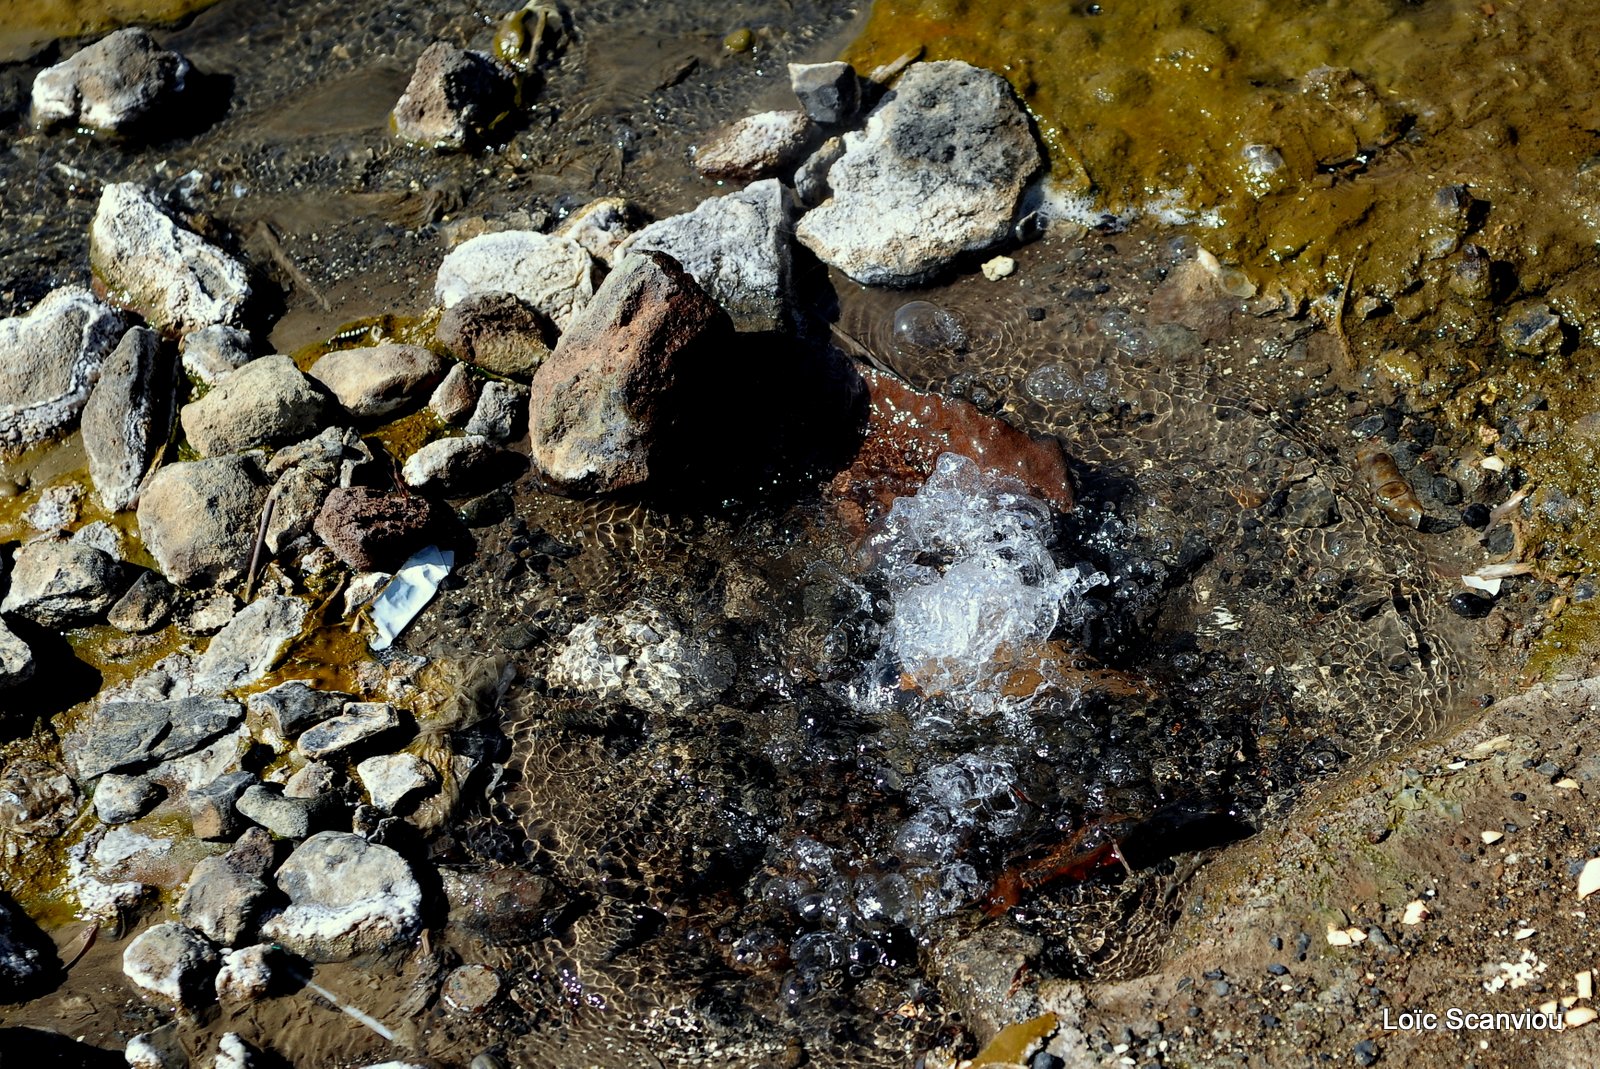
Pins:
x: 922, y: 327
x: 1052, y: 384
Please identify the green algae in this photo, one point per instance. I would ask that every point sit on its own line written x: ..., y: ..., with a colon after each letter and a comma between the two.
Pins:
x: 25, y: 25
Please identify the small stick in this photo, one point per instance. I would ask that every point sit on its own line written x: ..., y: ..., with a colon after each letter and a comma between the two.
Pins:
x: 261, y: 540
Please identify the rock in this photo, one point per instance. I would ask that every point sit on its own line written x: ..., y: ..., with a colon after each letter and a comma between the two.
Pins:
x: 251, y: 645
x: 811, y: 177
x: 159, y: 1048
x: 297, y: 498
x: 498, y: 332
x: 455, y: 467
x: 199, y: 519
x: 49, y: 361
x: 234, y: 1053
x: 127, y: 734
x: 737, y: 248
x: 104, y: 537
x: 501, y: 412
x: 379, y: 380
x: 375, y: 531
x: 315, y: 780
x: 22, y: 959
x: 37, y: 799
x: 254, y: 854
x: 144, y: 607
x: 500, y: 904
x: 174, y: 962
x: 998, y: 267
x: 641, y: 657
x: 392, y: 780
x: 247, y: 973
x: 346, y: 897
x: 829, y: 93
x: 206, y: 614
x: 456, y: 396
x: 470, y: 989
x: 290, y: 708
x: 16, y: 659
x: 452, y: 99
x: 62, y: 585
x: 211, y: 353
x: 937, y: 173
x: 360, y: 722
x: 553, y: 274
x: 120, y: 799
x: 266, y: 402
x: 222, y: 903
x: 127, y: 417
x: 289, y: 817
x: 601, y: 226
x: 213, y: 808
x: 595, y: 405
x: 112, y: 86
x: 1532, y: 329
x: 173, y: 277
x: 754, y: 147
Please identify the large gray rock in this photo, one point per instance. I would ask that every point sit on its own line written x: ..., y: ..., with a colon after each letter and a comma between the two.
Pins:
x: 16, y: 658
x: 110, y: 86
x: 266, y: 402
x: 737, y: 247
x: 553, y: 274
x: 393, y: 780
x: 598, y: 405
x: 49, y: 360
x: 360, y: 722
x: 379, y: 380
x: 127, y: 734
x: 175, y: 962
x: 285, y: 815
x: 62, y: 584
x: 756, y: 146
x: 127, y: 417
x: 173, y: 277
x: 937, y: 173
x: 222, y: 903
x: 452, y: 99
x: 346, y: 897
x: 199, y: 518
x: 290, y: 708
x: 251, y: 645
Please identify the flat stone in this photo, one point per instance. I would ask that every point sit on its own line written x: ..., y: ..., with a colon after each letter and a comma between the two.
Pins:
x: 210, y: 353
x: 292, y: 818
x: 937, y: 173
x: 738, y: 249
x: 206, y: 614
x: 247, y: 974
x: 127, y: 417
x: 501, y: 413
x: 499, y: 904
x: 498, y: 332
x: 374, y: 530
x: 121, y: 799
x: 289, y: 708
x: 554, y: 274
x: 456, y: 396
x: 393, y: 780
x: 829, y: 93
x: 453, y: 97
x: 213, y: 807
x: 222, y: 903
x: 199, y: 518
x: 379, y: 380
x: 62, y: 585
x: 144, y: 607
x: 601, y: 226
x: 173, y: 277
x: 346, y: 897
x: 111, y: 86
x: 252, y: 644
x: 174, y: 962
x: 359, y: 722
x: 50, y: 360
x: 599, y: 403
x: 267, y: 402
x: 126, y: 734
x: 455, y: 467
x: 16, y: 659
x: 756, y: 146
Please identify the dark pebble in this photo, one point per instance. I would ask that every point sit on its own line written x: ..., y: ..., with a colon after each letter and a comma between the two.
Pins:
x: 1276, y: 942
x: 520, y: 636
x: 1476, y: 515
x: 1036, y: 314
x: 1045, y: 1060
x: 1366, y: 1052
x: 1222, y: 989
x: 1193, y: 1011
x: 1500, y: 540
x: 1518, y: 796
x: 1471, y: 606
x: 1277, y: 970
x: 1269, y: 1021
x: 1214, y: 974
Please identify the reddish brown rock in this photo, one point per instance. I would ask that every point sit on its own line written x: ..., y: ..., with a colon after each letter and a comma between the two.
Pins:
x: 906, y: 432
x: 372, y: 530
x: 600, y: 404
x: 498, y: 332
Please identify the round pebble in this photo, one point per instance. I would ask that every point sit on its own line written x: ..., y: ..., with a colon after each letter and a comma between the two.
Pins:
x: 1471, y: 606
x: 1476, y: 516
x: 471, y: 988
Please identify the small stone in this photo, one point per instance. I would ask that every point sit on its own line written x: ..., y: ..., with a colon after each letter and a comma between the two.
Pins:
x: 56, y: 509
x: 811, y: 177
x: 211, y: 353
x: 999, y: 267
x: 359, y: 723
x: 830, y: 93
x: 315, y: 780
x: 159, y: 1048
x: 393, y: 780
x: 62, y: 585
x: 289, y: 708
x: 199, y: 519
x: 50, y: 360
x: 455, y: 467
x: 173, y: 277
x: 144, y: 607
x: 379, y: 380
x: 1365, y: 1052
x: 372, y: 530
x: 213, y: 807
x: 111, y: 86
x: 128, y: 417
x: 554, y: 274
x: 291, y: 818
x: 125, y: 734
x: 470, y: 989
x: 175, y: 962
x: 120, y: 799
x: 247, y: 974
x: 346, y: 897
x: 206, y: 614
x: 253, y: 853
x: 456, y: 396
x: 296, y: 500
x: 222, y: 903
x: 102, y: 536
x: 757, y: 146
x: 498, y: 332
x: 267, y: 402
x: 601, y: 226
x: 1589, y: 878
x: 453, y: 97
x: 251, y: 645
x: 639, y: 656
x: 16, y: 659
x: 1532, y: 330
x: 501, y: 413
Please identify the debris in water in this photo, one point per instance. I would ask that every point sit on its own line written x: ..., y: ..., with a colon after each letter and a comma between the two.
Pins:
x: 1589, y: 878
x: 408, y: 593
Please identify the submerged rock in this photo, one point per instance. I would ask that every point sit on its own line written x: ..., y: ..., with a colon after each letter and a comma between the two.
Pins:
x: 62, y: 585
x: 173, y: 277
x: 457, y: 466
x: 553, y: 274
x: 49, y: 361
x: 453, y: 98
x: 346, y: 897
x: 937, y: 172
x: 830, y: 93
x: 738, y: 249
x: 379, y: 380
x: 110, y: 86
x: 372, y: 530
x: 754, y: 147
x: 199, y: 518
x: 127, y: 417
x: 266, y: 402
x: 597, y: 403
x: 641, y: 657
x: 251, y: 645
x: 173, y: 961
x: 498, y: 332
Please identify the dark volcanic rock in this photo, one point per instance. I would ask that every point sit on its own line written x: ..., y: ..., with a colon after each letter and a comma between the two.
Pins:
x: 23, y: 952
x: 375, y: 531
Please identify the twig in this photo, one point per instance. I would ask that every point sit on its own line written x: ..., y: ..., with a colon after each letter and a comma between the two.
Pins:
x: 261, y: 540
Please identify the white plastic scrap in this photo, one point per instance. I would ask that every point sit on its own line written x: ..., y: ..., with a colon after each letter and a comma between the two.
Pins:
x: 1589, y: 878
x: 408, y: 593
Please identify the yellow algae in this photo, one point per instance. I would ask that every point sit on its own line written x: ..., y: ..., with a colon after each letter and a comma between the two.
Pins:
x: 1014, y: 1044
x: 25, y: 25
x: 373, y: 330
